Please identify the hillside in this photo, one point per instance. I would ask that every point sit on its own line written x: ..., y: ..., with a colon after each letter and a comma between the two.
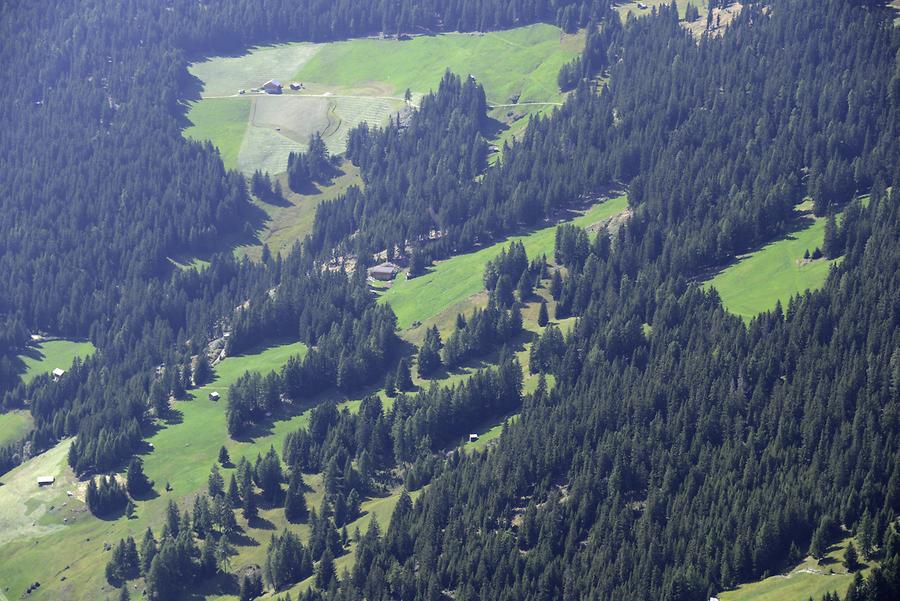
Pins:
x: 496, y: 299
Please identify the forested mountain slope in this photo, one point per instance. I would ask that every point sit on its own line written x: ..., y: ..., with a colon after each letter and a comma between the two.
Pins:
x: 100, y: 188
x: 680, y: 452
x: 677, y: 460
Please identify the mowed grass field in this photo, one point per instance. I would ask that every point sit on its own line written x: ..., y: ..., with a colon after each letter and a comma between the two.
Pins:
x: 47, y: 356
x: 223, y: 122
x: 776, y: 272
x: 521, y: 62
x: 454, y: 280
x: 362, y: 80
x: 809, y: 579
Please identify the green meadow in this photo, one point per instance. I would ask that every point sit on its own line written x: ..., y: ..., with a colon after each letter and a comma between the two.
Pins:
x: 809, y: 579
x: 458, y: 278
x: 363, y: 80
x: 14, y: 426
x: 521, y: 62
x: 776, y: 272
x: 46, y: 356
x: 223, y: 122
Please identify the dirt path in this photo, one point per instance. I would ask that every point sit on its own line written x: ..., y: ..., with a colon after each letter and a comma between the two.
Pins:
x: 324, y: 95
x: 363, y: 97
x: 495, y: 106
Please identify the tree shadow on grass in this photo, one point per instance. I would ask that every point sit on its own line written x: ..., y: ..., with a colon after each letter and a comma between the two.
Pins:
x: 242, y: 539
x: 260, y: 523
x: 173, y: 417
x: 492, y: 128
x: 218, y: 585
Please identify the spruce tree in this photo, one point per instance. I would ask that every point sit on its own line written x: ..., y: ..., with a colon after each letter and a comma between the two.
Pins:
x: 295, y: 508
x: 403, y: 380
x: 224, y: 458
x: 325, y: 571
x: 234, y: 495
x: 136, y: 481
x: 851, y: 559
x: 543, y: 315
x: 556, y: 285
x: 215, y: 482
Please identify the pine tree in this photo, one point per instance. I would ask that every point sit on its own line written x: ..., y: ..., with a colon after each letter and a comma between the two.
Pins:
x: 556, y: 285
x: 215, y: 483
x: 202, y: 370
x: 136, y: 481
x: 234, y: 495
x: 851, y: 559
x: 295, y: 508
x: 429, y: 359
x: 325, y: 570
x: 543, y: 316
x: 248, y: 508
x: 831, y: 247
x: 224, y: 458
x: 404, y: 377
x: 148, y: 551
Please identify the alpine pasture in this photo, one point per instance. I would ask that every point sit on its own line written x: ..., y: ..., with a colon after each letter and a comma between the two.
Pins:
x: 776, y: 272
x: 808, y: 579
x: 458, y: 278
x: 46, y: 356
x: 361, y: 80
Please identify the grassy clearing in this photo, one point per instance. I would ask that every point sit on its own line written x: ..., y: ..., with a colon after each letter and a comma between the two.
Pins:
x: 774, y: 273
x: 809, y: 579
x: 363, y: 80
x: 624, y: 8
x: 223, y: 122
x: 460, y: 277
x: 225, y: 75
x: 522, y: 62
x: 47, y: 356
x: 14, y: 426
x: 511, y: 123
x: 291, y: 222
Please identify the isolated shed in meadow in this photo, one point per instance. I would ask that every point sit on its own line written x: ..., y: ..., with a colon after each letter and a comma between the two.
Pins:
x: 45, y: 480
x: 273, y: 86
x: 57, y: 373
x: 473, y: 437
x: 384, y: 271
x: 214, y: 396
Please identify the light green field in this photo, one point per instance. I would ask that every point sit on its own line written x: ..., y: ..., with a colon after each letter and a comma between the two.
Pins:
x: 774, y: 273
x: 624, y: 8
x: 810, y: 579
x: 223, y: 122
x: 523, y: 62
x: 14, y: 426
x: 363, y: 80
x: 460, y: 277
x: 225, y: 75
x: 47, y: 356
